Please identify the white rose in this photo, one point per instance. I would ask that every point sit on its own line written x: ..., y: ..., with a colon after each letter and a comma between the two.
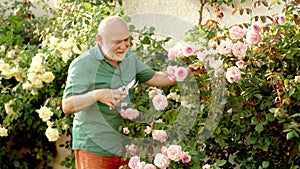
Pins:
x: 45, y: 113
x: 3, y: 132
x: 52, y: 134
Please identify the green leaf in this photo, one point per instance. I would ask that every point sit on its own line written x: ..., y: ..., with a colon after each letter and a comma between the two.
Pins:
x: 146, y: 40
x: 259, y: 96
x: 225, y: 131
x: 292, y: 91
x: 272, y: 110
x: 270, y: 117
x: 220, y: 162
x: 265, y: 164
x: 259, y: 127
x: 290, y: 135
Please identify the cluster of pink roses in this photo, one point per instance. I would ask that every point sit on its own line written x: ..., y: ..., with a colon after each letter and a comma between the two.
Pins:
x: 129, y: 113
x: 162, y: 160
x: 238, y: 49
x: 180, y: 52
x: 177, y: 73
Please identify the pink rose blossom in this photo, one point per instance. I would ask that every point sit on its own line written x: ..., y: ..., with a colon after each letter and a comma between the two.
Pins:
x: 233, y: 74
x: 129, y: 113
x: 140, y: 165
x: 239, y: 50
x: 236, y: 32
x: 174, y: 152
x: 148, y: 130
x: 160, y: 102
x: 255, y: 27
x: 215, y: 64
x: 187, y: 51
x: 174, y: 53
x: 149, y: 166
x: 180, y: 74
x: 185, y: 158
x: 126, y: 130
x: 132, y: 150
x: 240, y: 64
x: 133, y: 162
x: 161, y: 161
x: 159, y: 135
x: 159, y: 121
x: 225, y: 47
x: 206, y: 166
x: 164, y: 150
x: 281, y: 19
x: 170, y: 71
x: 253, y: 38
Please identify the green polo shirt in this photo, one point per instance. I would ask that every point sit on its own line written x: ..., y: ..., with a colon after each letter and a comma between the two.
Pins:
x: 95, y: 129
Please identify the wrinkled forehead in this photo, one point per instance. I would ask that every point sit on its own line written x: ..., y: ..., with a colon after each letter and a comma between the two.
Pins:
x: 115, y: 30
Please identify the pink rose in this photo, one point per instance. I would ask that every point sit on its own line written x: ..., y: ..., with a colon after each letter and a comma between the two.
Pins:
x: 281, y: 19
x: 148, y: 130
x: 187, y: 51
x: 174, y: 53
x: 255, y: 27
x: 164, y: 150
x: 140, y: 165
x: 233, y: 74
x: 161, y: 161
x: 239, y: 50
x: 126, y: 130
x: 133, y: 162
x: 159, y: 121
x: 206, y: 166
x: 132, y: 150
x: 180, y: 74
x: 149, y: 166
x: 174, y: 152
x: 253, y: 38
x: 129, y: 113
x: 240, y: 64
x: 225, y: 47
x: 185, y: 158
x: 236, y: 32
x: 159, y: 135
x: 160, y: 102
x: 170, y: 71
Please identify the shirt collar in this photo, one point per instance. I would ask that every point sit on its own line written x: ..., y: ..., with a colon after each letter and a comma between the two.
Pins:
x: 99, y: 54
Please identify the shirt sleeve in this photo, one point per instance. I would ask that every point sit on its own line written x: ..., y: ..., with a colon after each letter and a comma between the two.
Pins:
x: 143, y: 72
x: 77, y: 80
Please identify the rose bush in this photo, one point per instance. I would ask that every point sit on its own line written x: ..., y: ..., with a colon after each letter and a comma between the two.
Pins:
x: 259, y: 126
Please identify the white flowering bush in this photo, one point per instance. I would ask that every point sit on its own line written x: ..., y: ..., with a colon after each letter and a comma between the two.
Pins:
x: 35, y: 52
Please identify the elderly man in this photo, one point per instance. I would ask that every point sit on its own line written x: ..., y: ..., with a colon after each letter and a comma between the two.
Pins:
x: 93, y: 93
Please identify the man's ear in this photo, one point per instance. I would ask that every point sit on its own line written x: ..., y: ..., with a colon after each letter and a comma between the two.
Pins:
x: 99, y: 39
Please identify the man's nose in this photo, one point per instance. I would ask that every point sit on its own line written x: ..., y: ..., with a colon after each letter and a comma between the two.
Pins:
x: 123, y: 44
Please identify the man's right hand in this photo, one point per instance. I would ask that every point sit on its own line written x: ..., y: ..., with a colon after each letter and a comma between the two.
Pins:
x: 110, y: 97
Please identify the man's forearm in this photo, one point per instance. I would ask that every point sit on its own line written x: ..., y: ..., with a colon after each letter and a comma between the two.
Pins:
x: 77, y: 103
x: 160, y: 79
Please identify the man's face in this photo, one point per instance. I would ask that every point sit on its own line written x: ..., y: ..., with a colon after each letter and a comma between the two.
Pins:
x: 115, y: 41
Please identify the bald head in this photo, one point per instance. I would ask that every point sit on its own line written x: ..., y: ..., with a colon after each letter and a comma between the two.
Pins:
x: 111, y: 22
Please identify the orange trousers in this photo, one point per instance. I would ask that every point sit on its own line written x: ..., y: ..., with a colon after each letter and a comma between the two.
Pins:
x: 86, y: 160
